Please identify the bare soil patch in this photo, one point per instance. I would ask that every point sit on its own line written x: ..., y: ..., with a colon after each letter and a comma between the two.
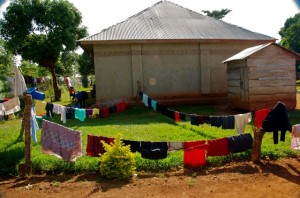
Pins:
x: 279, y: 178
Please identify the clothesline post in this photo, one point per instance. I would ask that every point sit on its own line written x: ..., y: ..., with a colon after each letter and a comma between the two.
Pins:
x: 256, y: 150
x: 25, y: 169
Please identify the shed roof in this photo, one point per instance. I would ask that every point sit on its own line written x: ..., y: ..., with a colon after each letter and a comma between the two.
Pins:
x: 168, y: 21
x: 252, y: 50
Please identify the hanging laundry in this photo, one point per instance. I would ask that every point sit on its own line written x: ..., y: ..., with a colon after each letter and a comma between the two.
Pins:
x: 63, y: 112
x: 56, y: 108
x: 277, y: 119
x: 169, y: 113
x: 182, y: 116
x: 216, y: 121
x: 194, y: 120
x: 241, y: 120
x: 96, y: 112
x: 173, y: 146
x: 218, y: 147
x: 2, y: 109
x: 153, y: 104
x: 154, y: 150
x: 260, y: 115
x: 80, y: 114
x: 113, y: 109
x: 177, y: 116
x: 70, y: 113
x: 89, y: 112
x: 240, y: 143
x: 94, y: 145
x: 206, y: 119
x: 104, y: 113
x: 135, y: 146
x: 150, y: 103
x: 123, y: 106
x: 145, y: 99
x: 60, y: 141
x: 34, y: 125
x: 40, y: 107
x: 194, y: 154
x: 227, y: 122
x: 295, y: 141
x: 12, y: 106
x: 49, y: 110
x: 19, y: 83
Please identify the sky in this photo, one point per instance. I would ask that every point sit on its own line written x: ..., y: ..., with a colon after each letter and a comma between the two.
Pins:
x: 261, y: 16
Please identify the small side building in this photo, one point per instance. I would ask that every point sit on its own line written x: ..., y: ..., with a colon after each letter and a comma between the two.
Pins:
x: 260, y: 76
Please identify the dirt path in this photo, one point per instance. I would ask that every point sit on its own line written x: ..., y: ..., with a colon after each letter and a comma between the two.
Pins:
x: 240, y: 179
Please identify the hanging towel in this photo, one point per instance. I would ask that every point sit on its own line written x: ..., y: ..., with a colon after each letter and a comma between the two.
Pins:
x: 19, y: 83
x: 177, y: 116
x: 241, y: 120
x: 295, y: 141
x: 63, y: 112
x: 60, y: 141
x: 154, y: 150
x: 70, y: 113
x: 104, y: 113
x: 34, y: 125
x: 194, y: 120
x: 123, y: 106
x: 113, y: 109
x: 240, y: 143
x: 217, y: 147
x: 96, y: 112
x: 173, y: 146
x: 260, y: 115
x: 89, y: 112
x: 194, y: 154
x: 149, y: 102
x: 145, y: 100
x: 94, y: 145
x: 227, y: 122
x: 12, y: 106
x: 216, y: 121
x: 80, y: 114
x: 40, y: 107
x: 277, y: 119
x: 182, y: 116
x: 153, y: 104
x: 55, y: 108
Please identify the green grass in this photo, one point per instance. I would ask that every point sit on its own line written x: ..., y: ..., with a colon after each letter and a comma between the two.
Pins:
x: 136, y: 123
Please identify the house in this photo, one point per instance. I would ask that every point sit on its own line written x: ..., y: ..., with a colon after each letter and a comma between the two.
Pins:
x: 174, y: 53
x: 260, y: 76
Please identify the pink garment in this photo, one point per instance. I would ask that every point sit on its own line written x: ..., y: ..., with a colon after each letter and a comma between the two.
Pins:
x: 295, y: 143
x: 60, y: 141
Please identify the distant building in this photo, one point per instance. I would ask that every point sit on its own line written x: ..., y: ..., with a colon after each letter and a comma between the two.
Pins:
x: 174, y: 52
x: 260, y: 76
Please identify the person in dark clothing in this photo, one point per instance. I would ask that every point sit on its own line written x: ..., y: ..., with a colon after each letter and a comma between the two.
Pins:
x: 81, y: 97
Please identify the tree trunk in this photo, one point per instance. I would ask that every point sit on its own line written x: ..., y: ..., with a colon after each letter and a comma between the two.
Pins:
x: 49, y: 62
x: 57, y: 94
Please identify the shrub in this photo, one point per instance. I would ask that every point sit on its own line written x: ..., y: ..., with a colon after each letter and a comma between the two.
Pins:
x: 118, y: 162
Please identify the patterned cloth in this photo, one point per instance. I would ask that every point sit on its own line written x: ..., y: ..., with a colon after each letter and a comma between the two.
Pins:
x: 12, y: 106
x: 61, y: 141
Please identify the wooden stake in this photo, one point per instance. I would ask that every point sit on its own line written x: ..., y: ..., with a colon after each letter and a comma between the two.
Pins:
x: 27, y: 117
x: 256, y: 150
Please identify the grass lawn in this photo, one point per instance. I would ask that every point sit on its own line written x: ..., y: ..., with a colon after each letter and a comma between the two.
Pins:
x: 136, y: 123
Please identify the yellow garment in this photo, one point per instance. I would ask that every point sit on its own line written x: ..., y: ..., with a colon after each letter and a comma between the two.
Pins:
x: 40, y: 107
x: 96, y: 111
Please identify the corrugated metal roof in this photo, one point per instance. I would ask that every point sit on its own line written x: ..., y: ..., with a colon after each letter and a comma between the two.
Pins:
x: 166, y: 20
x: 246, y: 52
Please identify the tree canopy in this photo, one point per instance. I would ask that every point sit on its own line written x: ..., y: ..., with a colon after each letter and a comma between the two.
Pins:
x: 40, y: 30
x: 217, y: 14
x: 290, y: 33
x: 7, y: 60
x: 86, y: 66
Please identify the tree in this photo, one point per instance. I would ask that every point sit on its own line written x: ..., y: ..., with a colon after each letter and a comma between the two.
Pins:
x: 7, y: 60
x: 67, y: 63
x: 39, y: 30
x: 217, y: 14
x: 86, y: 67
x: 290, y: 33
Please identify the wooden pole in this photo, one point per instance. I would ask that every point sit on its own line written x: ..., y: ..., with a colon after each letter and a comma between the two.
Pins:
x: 256, y: 150
x: 27, y: 116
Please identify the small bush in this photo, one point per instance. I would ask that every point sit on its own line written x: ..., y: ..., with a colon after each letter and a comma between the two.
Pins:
x: 118, y: 162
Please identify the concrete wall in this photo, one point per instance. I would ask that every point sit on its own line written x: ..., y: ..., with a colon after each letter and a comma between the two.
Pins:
x: 167, y: 71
